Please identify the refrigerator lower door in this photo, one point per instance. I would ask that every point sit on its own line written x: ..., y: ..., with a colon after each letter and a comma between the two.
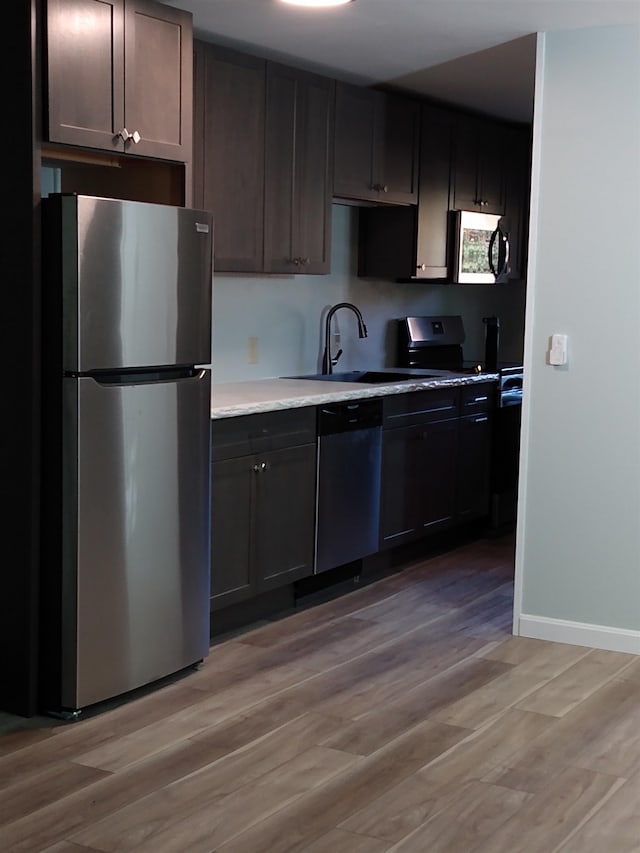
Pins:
x: 136, y: 537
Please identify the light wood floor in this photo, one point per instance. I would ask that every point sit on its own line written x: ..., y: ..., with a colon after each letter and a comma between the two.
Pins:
x: 400, y: 717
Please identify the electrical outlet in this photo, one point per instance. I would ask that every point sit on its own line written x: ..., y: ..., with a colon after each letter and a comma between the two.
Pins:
x: 252, y: 357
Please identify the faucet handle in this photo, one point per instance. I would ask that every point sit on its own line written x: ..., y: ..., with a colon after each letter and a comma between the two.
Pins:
x: 335, y: 358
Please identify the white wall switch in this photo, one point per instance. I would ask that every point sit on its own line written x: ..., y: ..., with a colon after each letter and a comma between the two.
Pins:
x: 558, y: 350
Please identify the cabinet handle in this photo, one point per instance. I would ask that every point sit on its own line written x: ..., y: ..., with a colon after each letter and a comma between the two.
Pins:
x: 476, y: 400
x: 125, y: 136
x: 422, y: 266
x: 380, y: 188
x: 260, y: 467
x: 480, y: 420
x: 304, y: 261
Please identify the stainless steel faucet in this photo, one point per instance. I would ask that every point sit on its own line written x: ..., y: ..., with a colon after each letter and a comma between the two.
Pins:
x: 327, y: 361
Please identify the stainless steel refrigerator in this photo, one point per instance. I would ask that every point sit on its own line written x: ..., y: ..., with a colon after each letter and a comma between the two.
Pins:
x: 126, y: 449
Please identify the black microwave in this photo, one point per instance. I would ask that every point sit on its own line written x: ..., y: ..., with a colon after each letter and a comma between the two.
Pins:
x: 481, y: 248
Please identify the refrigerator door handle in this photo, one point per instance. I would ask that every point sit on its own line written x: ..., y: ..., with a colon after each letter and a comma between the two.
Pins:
x: 149, y: 376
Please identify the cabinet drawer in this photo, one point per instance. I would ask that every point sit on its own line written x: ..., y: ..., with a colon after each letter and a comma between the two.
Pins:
x: 478, y: 397
x: 242, y: 436
x: 421, y: 407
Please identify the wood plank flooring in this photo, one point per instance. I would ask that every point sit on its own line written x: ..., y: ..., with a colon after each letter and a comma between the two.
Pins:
x: 400, y: 717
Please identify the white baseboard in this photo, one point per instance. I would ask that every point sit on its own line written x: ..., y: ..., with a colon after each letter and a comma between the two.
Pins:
x: 579, y: 634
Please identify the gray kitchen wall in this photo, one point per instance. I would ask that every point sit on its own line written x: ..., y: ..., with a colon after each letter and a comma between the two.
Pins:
x: 285, y: 315
x: 578, y: 544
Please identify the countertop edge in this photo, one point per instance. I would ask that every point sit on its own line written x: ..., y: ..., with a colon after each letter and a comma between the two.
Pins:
x: 234, y: 399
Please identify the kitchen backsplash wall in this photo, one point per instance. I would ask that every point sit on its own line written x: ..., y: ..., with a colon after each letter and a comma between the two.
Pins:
x: 265, y: 326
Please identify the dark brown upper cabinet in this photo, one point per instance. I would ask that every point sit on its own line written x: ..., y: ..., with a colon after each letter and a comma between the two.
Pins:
x: 433, y: 240
x: 517, y: 154
x: 376, y: 146
x: 478, y: 166
x: 119, y: 77
x: 298, y: 186
x: 228, y: 163
x: 262, y: 162
x: 413, y: 242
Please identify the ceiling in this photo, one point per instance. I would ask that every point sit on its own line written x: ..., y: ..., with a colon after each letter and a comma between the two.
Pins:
x: 478, y: 54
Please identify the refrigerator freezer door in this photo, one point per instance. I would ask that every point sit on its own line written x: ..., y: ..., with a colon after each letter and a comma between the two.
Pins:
x: 136, y: 284
x: 136, y: 541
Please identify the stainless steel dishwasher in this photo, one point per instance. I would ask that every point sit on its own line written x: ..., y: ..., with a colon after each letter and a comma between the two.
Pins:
x: 349, y: 461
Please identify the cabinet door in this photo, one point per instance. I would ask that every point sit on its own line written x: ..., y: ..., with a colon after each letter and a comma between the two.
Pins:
x: 314, y: 164
x: 438, y: 474
x: 158, y: 97
x: 418, y: 485
x: 285, y: 515
x: 491, y: 164
x: 298, y: 176
x: 401, y: 487
x: 517, y: 155
x: 474, y: 456
x: 465, y: 183
x: 85, y: 63
x: 478, y: 176
x: 434, y: 201
x: 400, y: 149
x: 357, y: 142
x: 232, y: 483
x: 376, y: 146
x: 229, y: 161
x: 409, y: 242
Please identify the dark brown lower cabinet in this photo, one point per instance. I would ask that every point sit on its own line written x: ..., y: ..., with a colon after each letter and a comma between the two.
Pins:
x: 263, y: 503
x: 418, y: 480
x: 231, y: 511
x: 435, y: 462
x: 474, y: 454
x: 473, y: 484
x: 285, y: 493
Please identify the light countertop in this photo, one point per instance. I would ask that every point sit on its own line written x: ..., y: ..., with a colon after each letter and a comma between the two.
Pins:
x: 231, y: 399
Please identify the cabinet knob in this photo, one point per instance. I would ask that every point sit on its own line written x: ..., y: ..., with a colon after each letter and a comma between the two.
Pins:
x: 259, y: 467
x: 422, y: 266
x: 295, y: 261
x: 304, y: 261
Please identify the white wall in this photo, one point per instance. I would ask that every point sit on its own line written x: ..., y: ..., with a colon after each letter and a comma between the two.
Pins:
x: 286, y: 314
x: 578, y: 549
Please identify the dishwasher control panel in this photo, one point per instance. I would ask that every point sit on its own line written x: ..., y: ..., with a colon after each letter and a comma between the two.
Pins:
x: 349, y: 415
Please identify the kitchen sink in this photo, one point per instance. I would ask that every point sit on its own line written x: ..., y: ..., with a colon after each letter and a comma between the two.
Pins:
x: 371, y: 377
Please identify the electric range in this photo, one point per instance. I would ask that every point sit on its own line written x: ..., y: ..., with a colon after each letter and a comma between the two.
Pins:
x: 435, y: 343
